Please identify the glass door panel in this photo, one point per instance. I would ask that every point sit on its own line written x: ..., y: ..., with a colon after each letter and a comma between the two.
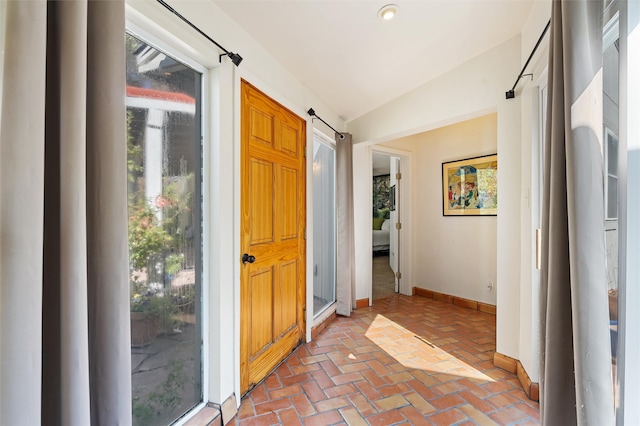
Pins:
x: 324, y: 226
x: 165, y: 227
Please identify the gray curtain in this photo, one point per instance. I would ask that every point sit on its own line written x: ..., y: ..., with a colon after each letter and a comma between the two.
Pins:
x: 575, y: 363
x: 64, y: 296
x: 345, y: 268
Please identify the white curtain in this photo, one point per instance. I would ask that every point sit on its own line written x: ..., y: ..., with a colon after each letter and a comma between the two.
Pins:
x: 64, y: 296
x: 345, y: 268
x: 575, y: 365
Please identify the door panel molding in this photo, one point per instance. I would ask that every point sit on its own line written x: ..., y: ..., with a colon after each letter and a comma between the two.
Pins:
x: 273, y: 219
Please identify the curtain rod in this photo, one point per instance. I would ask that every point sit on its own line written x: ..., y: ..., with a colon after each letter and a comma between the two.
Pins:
x: 312, y: 113
x: 510, y: 94
x: 235, y: 58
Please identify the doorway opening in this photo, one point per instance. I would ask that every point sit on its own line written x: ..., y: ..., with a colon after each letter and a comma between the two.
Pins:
x: 385, y: 251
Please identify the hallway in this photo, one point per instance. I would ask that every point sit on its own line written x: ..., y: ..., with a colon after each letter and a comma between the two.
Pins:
x: 383, y: 279
x: 406, y: 360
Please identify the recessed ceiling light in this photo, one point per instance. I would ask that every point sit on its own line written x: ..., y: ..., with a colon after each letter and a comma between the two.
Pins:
x: 388, y: 12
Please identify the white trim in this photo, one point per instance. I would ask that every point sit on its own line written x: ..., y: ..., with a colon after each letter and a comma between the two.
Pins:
x: 325, y: 313
x: 611, y: 31
x: 325, y: 140
x: 206, y: 284
x: 309, y: 138
x: 190, y: 414
x: 535, y: 200
x: 161, y: 27
x: 157, y: 37
x: 237, y: 168
x: 629, y: 337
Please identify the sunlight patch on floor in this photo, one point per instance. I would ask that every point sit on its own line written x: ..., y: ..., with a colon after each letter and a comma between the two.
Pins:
x: 414, y: 351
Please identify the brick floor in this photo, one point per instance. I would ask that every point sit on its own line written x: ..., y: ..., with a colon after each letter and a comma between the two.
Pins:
x: 404, y: 361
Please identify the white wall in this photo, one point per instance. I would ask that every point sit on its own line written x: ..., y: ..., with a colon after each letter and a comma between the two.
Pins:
x: 222, y: 123
x: 473, y: 89
x: 362, y: 207
x: 452, y: 255
x: 536, y: 21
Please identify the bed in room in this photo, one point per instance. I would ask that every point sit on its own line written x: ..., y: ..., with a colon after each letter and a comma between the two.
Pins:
x: 380, y: 235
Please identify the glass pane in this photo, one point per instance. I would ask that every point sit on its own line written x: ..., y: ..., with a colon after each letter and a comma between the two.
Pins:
x: 165, y: 259
x: 324, y: 227
x: 612, y: 154
x: 612, y: 197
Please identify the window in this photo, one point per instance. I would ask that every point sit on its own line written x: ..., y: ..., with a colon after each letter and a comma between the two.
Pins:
x: 324, y: 225
x: 611, y: 107
x: 611, y: 175
x: 611, y: 121
x: 164, y: 135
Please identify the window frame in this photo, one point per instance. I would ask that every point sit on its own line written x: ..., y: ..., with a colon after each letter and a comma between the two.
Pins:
x: 610, y: 34
x: 161, y: 39
x: 330, y: 308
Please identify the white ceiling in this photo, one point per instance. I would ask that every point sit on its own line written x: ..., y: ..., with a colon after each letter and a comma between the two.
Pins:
x: 355, y: 61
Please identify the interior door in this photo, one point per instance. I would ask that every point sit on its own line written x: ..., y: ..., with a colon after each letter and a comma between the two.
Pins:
x: 395, y: 216
x: 273, y: 215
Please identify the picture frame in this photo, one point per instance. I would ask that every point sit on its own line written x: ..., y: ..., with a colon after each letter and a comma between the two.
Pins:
x: 381, y: 195
x: 470, y: 186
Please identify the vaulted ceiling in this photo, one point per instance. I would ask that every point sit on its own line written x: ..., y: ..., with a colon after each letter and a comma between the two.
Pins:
x: 357, y: 62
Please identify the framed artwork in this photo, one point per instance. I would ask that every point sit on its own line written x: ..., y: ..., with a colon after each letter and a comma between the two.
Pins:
x: 381, y: 195
x: 470, y: 187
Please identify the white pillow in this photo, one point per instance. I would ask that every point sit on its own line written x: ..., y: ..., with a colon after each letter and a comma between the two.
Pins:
x: 385, y: 225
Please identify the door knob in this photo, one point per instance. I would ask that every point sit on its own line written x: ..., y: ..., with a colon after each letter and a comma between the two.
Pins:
x: 247, y: 258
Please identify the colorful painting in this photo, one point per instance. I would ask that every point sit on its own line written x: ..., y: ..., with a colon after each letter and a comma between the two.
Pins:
x: 470, y: 187
x: 381, y: 204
